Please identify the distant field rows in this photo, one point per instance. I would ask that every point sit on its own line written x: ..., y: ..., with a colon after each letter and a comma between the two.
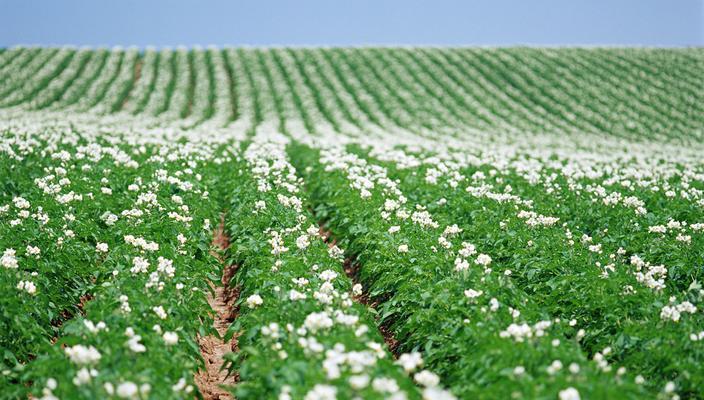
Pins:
x: 643, y: 93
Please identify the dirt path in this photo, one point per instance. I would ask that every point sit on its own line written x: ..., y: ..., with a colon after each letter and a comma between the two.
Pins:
x: 351, y: 268
x: 213, y: 349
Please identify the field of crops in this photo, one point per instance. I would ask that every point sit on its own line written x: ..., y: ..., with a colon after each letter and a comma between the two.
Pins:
x: 351, y: 223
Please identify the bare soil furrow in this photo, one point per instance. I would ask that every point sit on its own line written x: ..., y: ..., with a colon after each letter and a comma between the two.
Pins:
x: 351, y: 268
x: 214, y: 377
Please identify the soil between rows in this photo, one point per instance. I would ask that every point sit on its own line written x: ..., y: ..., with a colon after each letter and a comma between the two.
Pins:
x: 351, y: 268
x: 211, y: 380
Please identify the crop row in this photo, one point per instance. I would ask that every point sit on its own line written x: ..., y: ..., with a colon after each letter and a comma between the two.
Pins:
x: 301, y: 331
x: 443, y: 294
x: 105, y: 266
x: 622, y: 263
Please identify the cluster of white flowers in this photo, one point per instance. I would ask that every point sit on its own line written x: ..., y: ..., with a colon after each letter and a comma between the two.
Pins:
x: 95, y: 328
x: 569, y: 394
x: 127, y: 390
x: 473, y: 294
x: 140, y: 265
x: 254, y: 301
x: 9, y: 259
x: 534, y: 219
x: 277, y: 243
x: 483, y: 260
x: 652, y: 276
x: 170, y: 338
x: 124, y: 304
x: 141, y: 243
x: 424, y: 219
x: 27, y: 286
x: 101, y: 247
x: 160, y: 312
x: 521, y: 332
x: 82, y: 355
x: 674, y: 311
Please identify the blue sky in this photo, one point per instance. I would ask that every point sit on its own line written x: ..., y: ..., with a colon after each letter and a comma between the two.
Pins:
x: 353, y: 22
